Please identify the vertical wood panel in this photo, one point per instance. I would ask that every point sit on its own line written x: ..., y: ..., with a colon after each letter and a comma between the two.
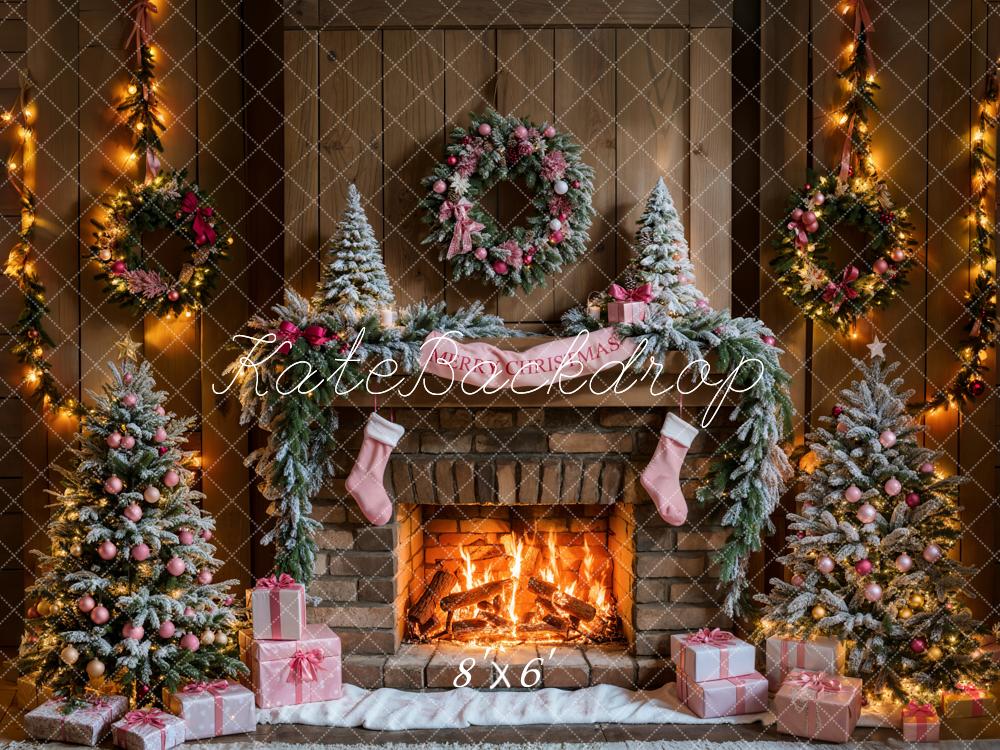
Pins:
x: 711, y: 163
x: 302, y: 240
x: 585, y: 107
x: 470, y: 85
x: 525, y: 87
x: 652, y: 126
x: 413, y: 116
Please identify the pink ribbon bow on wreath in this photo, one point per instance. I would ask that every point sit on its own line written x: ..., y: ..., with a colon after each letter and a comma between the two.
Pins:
x: 832, y: 290
x: 288, y: 333
x: 465, y: 226
x: 215, y: 688
x: 283, y: 581
x: 315, y: 335
x: 712, y: 637
x: 818, y: 682
x: 643, y: 293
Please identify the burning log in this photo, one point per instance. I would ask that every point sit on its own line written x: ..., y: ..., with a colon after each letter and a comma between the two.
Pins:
x: 467, y: 598
x: 498, y: 621
x: 568, y: 605
x: 461, y: 628
x: 426, y: 606
x: 556, y: 621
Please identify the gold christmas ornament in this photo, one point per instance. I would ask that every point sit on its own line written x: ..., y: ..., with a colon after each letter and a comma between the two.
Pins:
x: 934, y: 653
x: 44, y: 608
x: 916, y: 600
x: 69, y: 654
x: 95, y: 668
x: 75, y: 549
x: 905, y: 613
x: 818, y: 612
x: 221, y: 639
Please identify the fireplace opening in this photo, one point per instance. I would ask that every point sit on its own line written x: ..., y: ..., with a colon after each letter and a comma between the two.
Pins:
x: 509, y: 575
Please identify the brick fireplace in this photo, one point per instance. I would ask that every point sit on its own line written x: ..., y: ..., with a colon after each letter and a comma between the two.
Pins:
x: 473, y: 480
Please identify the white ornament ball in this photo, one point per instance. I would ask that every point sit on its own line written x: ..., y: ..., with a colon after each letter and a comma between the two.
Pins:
x: 867, y: 513
x: 555, y: 225
x: 95, y: 668
x: 873, y: 592
x: 932, y: 553
x: 561, y: 187
x: 221, y: 639
x: 69, y: 654
x: 207, y: 638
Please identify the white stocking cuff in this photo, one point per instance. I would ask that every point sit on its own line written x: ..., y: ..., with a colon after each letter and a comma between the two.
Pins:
x: 677, y: 429
x: 381, y: 429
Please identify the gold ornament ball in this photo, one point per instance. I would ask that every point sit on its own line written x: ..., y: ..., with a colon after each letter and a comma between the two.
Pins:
x: 818, y: 612
x: 221, y: 639
x: 905, y: 613
x: 934, y: 653
x: 916, y: 600
x: 95, y: 668
x: 44, y: 608
x: 75, y: 549
x: 69, y: 654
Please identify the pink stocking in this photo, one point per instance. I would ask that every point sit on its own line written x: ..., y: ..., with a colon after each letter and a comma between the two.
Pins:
x: 365, y: 480
x: 661, y: 477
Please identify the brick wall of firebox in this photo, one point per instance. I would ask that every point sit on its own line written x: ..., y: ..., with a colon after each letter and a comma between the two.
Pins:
x: 510, y: 456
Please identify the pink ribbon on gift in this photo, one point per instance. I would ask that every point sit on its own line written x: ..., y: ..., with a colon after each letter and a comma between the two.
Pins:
x: 304, y: 666
x: 832, y: 291
x: 148, y: 717
x: 215, y: 689
x: 465, y: 226
x: 817, y: 683
x: 975, y: 693
x: 275, y: 584
x: 740, y: 684
x: 713, y: 637
x: 924, y: 718
x: 642, y: 293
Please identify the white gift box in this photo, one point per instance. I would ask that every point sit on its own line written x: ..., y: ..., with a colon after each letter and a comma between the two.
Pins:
x: 712, y: 655
x: 278, y: 605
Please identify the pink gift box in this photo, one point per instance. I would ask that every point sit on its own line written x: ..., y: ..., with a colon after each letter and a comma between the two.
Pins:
x: 148, y: 729
x: 782, y: 655
x: 626, y: 312
x: 278, y: 605
x: 818, y: 706
x: 77, y: 724
x: 920, y: 723
x: 712, y: 655
x: 213, y: 709
x: 730, y: 696
x: 287, y: 673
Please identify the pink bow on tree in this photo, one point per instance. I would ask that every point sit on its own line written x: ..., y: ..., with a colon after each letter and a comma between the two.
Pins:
x: 283, y: 581
x: 643, y: 293
x: 819, y: 682
x: 844, y: 287
x: 305, y: 665
x: 712, y: 637
x: 465, y: 226
x: 215, y: 688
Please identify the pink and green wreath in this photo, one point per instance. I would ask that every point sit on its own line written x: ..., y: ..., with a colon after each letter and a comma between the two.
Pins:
x: 134, y: 278
x: 493, y: 149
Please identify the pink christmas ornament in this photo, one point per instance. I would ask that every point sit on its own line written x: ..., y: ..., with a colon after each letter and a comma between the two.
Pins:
x: 797, y: 580
x: 136, y: 632
x: 107, y: 550
x: 521, y: 132
x: 159, y: 410
x: 898, y: 254
x: 86, y: 603
x: 452, y: 160
x: 159, y: 435
x: 171, y: 478
x: 863, y: 567
x: 151, y: 494
x: 912, y: 499
x: 127, y: 377
x: 132, y: 512
x: 167, y: 629
x: 480, y: 253
x: 113, y: 485
x: 549, y: 131
x: 128, y: 442
x: 867, y: 513
x: 185, y: 536
x: 118, y: 267
x: 852, y: 494
x: 114, y: 439
x: 190, y: 642
x: 926, y: 468
x: 162, y: 450
x: 100, y: 615
x: 204, y: 577
x: 819, y: 199
x: 892, y: 487
x: 556, y: 237
x: 932, y: 553
x: 887, y: 438
x: 841, y: 427
x: 873, y: 592
x: 189, y: 612
x: 484, y: 129
x: 175, y: 566
x: 228, y: 601
x: 439, y: 187
x: 904, y: 563
x: 140, y: 552
x: 206, y: 534
x: 825, y: 564
x: 500, y: 268
x: 880, y: 266
x: 768, y: 340
x: 130, y: 400
x: 918, y: 645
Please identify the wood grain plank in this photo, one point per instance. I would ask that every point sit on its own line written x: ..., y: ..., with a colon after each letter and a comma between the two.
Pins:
x: 585, y: 107
x: 302, y: 241
x: 412, y: 104
x: 525, y: 87
x: 711, y: 161
x: 652, y: 124
x: 470, y: 85
x: 224, y: 442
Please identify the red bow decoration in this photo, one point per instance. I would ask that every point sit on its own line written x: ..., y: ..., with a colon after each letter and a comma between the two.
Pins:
x: 149, y: 717
x: 465, y: 226
x: 284, y: 581
x: 204, y: 232
x: 918, y: 709
x: 713, y: 637
x: 817, y: 681
x: 288, y: 333
x: 643, y: 293
x: 305, y: 665
x: 189, y: 203
x: 315, y: 335
x: 215, y: 688
x: 851, y: 274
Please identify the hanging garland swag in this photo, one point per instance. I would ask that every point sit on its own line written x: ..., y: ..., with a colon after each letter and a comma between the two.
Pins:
x: 856, y: 199
x: 495, y: 149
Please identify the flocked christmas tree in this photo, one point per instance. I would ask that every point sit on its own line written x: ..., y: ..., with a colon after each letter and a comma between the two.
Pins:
x: 663, y: 258
x: 127, y: 592
x: 868, y: 555
x: 354, y: 274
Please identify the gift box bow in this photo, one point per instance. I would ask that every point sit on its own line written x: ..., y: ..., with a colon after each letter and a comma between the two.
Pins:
x: 714, y: 637
x: 215, y: 688
x: 149, y: 717
x: 642, y: 293
x: 816, y: 682
x: 272, y: 582
x: 922, y: 712
x: 970, y: 690
x: 304, y: 666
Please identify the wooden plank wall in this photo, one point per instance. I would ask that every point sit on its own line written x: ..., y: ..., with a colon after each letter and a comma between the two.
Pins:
x: 931, y: 58
x: 81, y: 145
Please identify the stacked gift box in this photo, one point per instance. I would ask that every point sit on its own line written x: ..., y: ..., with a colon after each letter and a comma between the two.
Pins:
x: 716, y: 675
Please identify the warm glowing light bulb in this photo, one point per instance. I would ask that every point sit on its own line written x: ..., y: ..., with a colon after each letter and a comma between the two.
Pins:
x: 132, y: 89
x: 139, y: 126
x: 843, y: 119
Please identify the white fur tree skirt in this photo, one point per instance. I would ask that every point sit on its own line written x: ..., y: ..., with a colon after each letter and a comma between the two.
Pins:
x: 389, y: 709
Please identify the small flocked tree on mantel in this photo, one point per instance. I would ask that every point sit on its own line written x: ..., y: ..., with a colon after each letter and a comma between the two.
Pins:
x: 127, y: 591
x: 868, y: 555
